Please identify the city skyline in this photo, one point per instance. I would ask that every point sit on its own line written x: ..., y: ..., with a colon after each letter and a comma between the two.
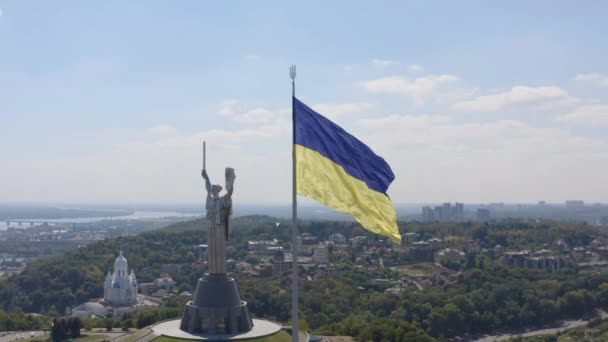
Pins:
x: 109, y: 102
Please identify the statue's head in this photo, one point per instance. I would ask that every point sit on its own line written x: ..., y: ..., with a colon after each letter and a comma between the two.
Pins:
x: 215, y: 189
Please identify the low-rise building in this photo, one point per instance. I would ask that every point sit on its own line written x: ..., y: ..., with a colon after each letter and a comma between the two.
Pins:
x: 359, y: 241
x: 264, y: 270
x: 599, y: 242
x: 320, y: 255
x: 165, y: 283
x: 410, y: 237
x: 337, y: 239
x: 262, y: 246
x: 560, y: 245
x: 281, y: 267
x: 435, y: 243
x: 578, y: 253
x: 449, y: 255
x: 420, y: 251
x: 515, y: 259
x: 539, y: 260
x: 308, y: 239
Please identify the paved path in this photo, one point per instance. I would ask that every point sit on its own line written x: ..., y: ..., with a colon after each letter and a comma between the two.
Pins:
x: 566, y: 325
x: 550, y: 331
x: 8, y: 336
x: 142, y: 333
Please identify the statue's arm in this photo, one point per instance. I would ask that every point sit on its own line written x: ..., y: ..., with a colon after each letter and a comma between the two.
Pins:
x: 230, y: 191
x: 207, y: 182
x: 230, y: 177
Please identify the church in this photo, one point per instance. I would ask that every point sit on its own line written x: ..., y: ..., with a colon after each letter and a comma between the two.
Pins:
x: 120, y: 287
x: 119, y: 295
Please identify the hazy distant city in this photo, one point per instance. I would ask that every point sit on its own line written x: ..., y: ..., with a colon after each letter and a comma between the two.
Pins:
x: 36, y: 231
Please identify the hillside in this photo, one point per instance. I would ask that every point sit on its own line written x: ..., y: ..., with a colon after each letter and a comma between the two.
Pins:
x: 485, y: 296
x: 77, y: 275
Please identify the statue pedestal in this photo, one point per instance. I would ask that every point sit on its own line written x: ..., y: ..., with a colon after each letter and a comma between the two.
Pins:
x: 216, y: 308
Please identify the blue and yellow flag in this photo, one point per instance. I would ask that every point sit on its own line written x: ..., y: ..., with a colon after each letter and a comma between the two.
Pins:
x: 338, y: 170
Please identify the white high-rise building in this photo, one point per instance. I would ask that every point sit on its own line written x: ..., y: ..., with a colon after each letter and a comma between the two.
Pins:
x: 120, y: 287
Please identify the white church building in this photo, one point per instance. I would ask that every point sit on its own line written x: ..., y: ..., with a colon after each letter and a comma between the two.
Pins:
x: 120, y: 287
x: 119, y: 294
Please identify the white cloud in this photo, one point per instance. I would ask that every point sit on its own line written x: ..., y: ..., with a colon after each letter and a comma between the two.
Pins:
x: 227, y: 107
x: 415, y: 88
x: 257, y: 115
x: 384, y: 63
x: 162, y: 129
x: 477, y: 162
x: 594, y: 77
x: 170, y: 166
x: 587, y: 115
x: 333, y: 110
x: 1, y: 11
x: 415, y: 67
x: 518, y: 97
x: 402, y: 121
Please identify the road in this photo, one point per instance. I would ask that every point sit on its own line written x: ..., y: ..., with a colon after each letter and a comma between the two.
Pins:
x: 550, y: 331
x: 566, y: 325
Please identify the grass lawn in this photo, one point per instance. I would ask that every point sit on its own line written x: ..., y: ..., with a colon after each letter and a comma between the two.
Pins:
x: 137, y: 335
x: 422, y: 269
x: 82, y: 338
x: 340, y: 338
x: 280, y: 337
x: 92, y: 338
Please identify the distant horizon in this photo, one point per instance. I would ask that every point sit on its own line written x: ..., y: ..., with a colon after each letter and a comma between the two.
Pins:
x: 307, y: 204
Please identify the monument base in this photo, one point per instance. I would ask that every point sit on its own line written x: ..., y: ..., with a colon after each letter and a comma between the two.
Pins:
x: 261, y: 328
x: 217, y: 308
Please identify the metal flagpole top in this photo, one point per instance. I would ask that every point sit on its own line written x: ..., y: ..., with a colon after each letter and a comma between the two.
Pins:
x: 292, y: 72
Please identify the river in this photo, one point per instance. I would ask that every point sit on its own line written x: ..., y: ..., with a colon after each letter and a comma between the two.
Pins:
x: 136, y: 215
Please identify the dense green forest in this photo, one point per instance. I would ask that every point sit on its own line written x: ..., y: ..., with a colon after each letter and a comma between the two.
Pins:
x: 487, y: 297
x: 77, y: 275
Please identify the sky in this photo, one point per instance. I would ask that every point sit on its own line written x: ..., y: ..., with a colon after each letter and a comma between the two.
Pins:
x: 473, y: 101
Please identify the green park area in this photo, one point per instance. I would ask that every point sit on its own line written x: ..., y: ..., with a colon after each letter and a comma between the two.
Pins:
x: 422, y: 269
x: 82, y: 338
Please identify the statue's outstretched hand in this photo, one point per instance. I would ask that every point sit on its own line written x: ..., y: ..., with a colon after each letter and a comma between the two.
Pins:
x: 204, y: 174
x: 229, y: 174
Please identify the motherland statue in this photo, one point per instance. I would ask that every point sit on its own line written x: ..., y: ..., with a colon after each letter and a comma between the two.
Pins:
x: 219, y: 210
x: 216, y: 307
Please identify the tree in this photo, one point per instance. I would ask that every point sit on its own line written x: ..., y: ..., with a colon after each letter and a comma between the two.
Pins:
x: 446, y: 321
x: 577, y: 302
x: 602, y: 294
x: 60, y: 330
x: 108, y: 323
x: 75, y: 325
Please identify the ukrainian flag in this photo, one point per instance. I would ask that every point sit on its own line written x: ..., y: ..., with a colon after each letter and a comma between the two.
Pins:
x: 338, y: 170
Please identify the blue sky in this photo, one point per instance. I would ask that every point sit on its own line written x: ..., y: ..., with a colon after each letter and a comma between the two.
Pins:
x: 473, y: 101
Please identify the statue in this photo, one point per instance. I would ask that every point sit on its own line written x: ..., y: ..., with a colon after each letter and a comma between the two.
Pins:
x: 219, y: 209
x: 216, y: 307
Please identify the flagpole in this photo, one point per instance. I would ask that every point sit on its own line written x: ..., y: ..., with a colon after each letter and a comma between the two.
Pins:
x: 294, y: 226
